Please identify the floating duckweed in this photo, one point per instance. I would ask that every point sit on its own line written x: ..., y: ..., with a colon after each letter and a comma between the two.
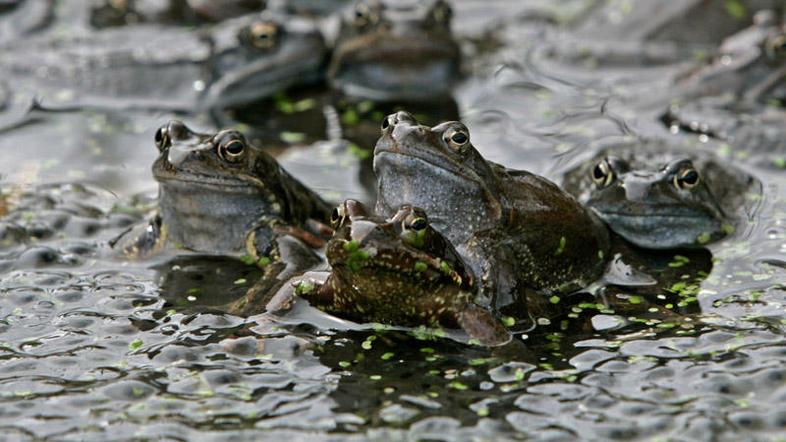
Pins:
x: 365, y: 106
x: 427, y: 350
x: 304, y: 288
x: 736, y: 9
x: 481, y: 361
x: 358, y: 152
x: 704, y: 238
x: 387, y: 356
x: 248, y: 260
x: 420, y: 266
x: 366, y: 345
x: 375, y: 377
x: 635, y: 300
x: 601, y: 255
x: 555, y: 299
x: 263, y: 261
x: 388, y: 390
x: 509, y: 321
x: 779, y: 162
x: 679, y: 261
x: 240, y: 281
x: 445, y: 267
x: 351, y: 246
x: 292, y: 137
x: 350, y: 117
x: 482, y: 412
x: 561, y: 248
x: 519, y: 375
x: 456, y: 385
x: 136, y: 344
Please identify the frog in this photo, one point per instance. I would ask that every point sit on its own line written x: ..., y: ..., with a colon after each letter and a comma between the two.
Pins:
x: 219, y: 194
x: 399, y: 271
x: 108, y: 13
x: 395, y: 50
x: 520, y: 233
x: 156, y: 67
x: 738, y: 97
x: 659, y: 195
x: 699, y: 22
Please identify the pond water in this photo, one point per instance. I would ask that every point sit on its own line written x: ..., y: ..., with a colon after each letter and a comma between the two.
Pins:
x: 93, y: 347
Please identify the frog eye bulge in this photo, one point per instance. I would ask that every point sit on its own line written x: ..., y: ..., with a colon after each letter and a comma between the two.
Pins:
x: 686, y: 179
x: 418, y: 224
x: 457, y: 138
x: 602, y: 174
x: 162, y: 138
x: 263, y: 35
x: 232, y: 149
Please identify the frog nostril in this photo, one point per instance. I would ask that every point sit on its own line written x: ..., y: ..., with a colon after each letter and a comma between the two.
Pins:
x: 404, y: 116
x: 177, y: 130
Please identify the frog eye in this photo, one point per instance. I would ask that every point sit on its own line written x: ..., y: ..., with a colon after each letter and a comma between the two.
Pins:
x: 603, y: 174
x: 364, y: 16
x: 776, y: 47
x: 336, y: 216
x: 687, y: 179
x: 232, y: 149
x: 263, y: 35
x: 457, y: 138
x: 418, y: 224
x: 162, y: 138
x: 442, y: 12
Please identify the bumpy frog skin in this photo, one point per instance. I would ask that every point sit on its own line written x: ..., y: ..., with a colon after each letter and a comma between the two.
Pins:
x: 658, y: 198
x: 399, y: 271
x: 235, y: 62
x: 517, y: 231
x: 219, y: 194
x: 396, y: 50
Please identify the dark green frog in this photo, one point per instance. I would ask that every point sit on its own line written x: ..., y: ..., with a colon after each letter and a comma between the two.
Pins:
x: 399, y: 271
x: 518, y: 232
x: 658, y: 196
x: 396, y: 50
x: 218, y: 194
x: 159, y: 67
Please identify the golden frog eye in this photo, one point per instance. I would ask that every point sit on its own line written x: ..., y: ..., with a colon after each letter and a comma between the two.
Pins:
x: 337, y: 216
x: 457, y: 138
x: 232, y: 149
x: 686, y: 179
x: 603, y: 174
x: 162, y: 138
x: 263, y: 35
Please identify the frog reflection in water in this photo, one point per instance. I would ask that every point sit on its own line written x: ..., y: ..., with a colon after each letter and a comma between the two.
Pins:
x: 157, y: 67
x: 219, y: 194
x: 658, y: 198
x: 519, y: 233
x: 396, y: 50
x: 399, y: 271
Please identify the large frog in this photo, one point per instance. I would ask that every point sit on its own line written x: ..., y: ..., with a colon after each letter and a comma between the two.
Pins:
x: 738, y: 97
x: 748, y: 65
x: 151, y: 66
x: 658, y: 196
x: 399, y: 271
x: 396, y: 50
x: 518, y: 232
x: 218, y: 194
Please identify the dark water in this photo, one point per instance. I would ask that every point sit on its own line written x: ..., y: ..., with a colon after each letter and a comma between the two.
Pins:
x: 97, y: 348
